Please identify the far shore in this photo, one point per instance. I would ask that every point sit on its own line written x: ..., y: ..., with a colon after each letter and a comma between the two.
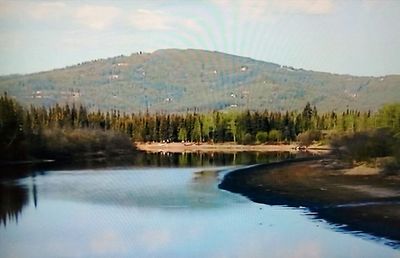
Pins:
x: 230, y: 147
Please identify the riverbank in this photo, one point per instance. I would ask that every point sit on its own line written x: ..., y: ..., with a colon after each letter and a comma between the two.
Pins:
x: 225, y: 147
x: 341, y: 194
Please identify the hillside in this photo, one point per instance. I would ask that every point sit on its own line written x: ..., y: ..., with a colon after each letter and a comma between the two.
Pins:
x: 173, y: 80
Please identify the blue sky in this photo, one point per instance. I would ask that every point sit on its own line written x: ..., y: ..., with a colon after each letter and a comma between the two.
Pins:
x: 348, y: 36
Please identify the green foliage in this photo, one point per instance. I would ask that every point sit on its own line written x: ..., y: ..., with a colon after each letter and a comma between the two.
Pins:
x: 363, y: 146
x: 381, y: 145
x: 396, y: 150
x: 306, y: 117
x: 262, y: 137
x: 11, y: 128
x: 56, y: 132
x: 275, y: 135
x: 248, y: 139
x: 182, y: 136
x: 196, y: 134
x: 80, y: 143
x: 27, y: 131
x: 389, y: 117
x: 308, y: 137
x: 233, y: 128
x: 169, y: 80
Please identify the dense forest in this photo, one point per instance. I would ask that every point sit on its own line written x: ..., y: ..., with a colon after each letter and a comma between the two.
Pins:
x: 65, y: 129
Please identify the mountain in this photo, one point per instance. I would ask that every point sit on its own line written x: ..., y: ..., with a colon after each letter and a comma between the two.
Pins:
x: 174, y: 80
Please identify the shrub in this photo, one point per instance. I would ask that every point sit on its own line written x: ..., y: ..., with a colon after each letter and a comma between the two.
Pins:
x: 363, y: 146
x: 274, y: 135
x: 262, y: 137
x: 248, y: 139
x: 64, y: 144
x: 308, y: 137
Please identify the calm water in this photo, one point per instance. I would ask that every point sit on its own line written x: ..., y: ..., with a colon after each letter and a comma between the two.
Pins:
x: 159, y: 211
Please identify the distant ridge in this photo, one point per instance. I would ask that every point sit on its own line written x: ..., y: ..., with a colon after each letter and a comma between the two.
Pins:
x: 174, y: 80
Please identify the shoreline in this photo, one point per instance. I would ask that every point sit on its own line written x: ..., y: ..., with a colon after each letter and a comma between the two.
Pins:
x: 226, y: 147
x: 354, y: 201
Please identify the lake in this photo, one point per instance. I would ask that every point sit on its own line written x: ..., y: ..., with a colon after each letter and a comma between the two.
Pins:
x: 161, y: 205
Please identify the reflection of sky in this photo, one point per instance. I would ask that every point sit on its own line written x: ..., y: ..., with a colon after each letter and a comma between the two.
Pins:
x: 70, y: 225
x: 151, y: 188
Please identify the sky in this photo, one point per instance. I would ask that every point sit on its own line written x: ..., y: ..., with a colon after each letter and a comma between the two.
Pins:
x: 339, y: 36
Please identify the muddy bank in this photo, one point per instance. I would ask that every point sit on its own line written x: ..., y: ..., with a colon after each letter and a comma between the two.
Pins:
x: 356, y: 201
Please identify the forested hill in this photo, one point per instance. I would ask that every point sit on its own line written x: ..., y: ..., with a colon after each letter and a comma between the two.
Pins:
x: 174, y: 80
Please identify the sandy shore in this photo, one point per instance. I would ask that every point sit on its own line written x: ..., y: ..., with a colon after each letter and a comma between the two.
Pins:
x: 358, y: 200
x: 222, y: 147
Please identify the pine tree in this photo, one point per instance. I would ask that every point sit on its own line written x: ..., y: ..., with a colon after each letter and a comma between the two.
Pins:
x: 306, y: 117
x: 196, y: 133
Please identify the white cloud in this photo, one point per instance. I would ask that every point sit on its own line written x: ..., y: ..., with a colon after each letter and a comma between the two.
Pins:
x: 11, y: 40
x: 21, y: 10
x: 143, y: 19
x: 306, y: 6
x: 258, y: 9
x: 192, y: 25
x: 6, y: 8
x: 97, y: 17
x: 44, y: 10
x: 378, y: 5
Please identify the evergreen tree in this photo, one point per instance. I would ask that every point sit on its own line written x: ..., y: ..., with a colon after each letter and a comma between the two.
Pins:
x: 306, y: 117
x: 196, y: 133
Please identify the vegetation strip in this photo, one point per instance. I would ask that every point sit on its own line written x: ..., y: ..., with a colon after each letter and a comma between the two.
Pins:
x: 63, y: 132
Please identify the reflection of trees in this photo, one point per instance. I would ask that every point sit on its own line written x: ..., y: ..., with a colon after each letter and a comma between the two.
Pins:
x: 205, y: 176
x: 203, y: 190
x: 204, y: 181
x: 201, y: 159
x: 12, y: 200
x: 169, y: 159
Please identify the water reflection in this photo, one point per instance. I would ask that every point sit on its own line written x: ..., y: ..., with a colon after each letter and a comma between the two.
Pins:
x: 161, y: 188
x: 164, y: 212
x: 158, y: 210
x: 150, y: 160
x: 172, y: 160
x: 372, y: 220
x: 13, y: 198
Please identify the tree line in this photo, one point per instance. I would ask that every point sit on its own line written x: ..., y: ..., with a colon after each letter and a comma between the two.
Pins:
x: 18, y: 124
